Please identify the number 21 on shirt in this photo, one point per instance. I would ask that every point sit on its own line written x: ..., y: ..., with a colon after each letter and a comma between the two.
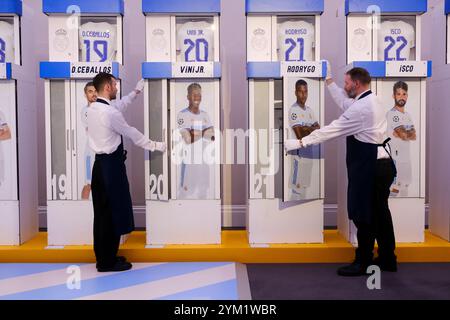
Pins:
x: 291, y: 53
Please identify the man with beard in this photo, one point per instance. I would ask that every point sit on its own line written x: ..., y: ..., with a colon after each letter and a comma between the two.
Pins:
x: 370, y: 168
x: 111, y: 199
x: 401, y: 130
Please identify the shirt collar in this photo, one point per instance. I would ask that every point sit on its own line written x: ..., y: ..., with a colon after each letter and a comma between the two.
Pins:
x: 362, y: 93
x: 104, y: 99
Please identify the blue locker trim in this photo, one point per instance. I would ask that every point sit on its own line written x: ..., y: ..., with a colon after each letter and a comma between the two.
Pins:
x: 217, y: 70
x: 86, y: 6
x: 377, y: 69
x: 447, y: 6
x: 62, y: 70
x: 11, y: 7
x: 324, y: 69
x: 386, y: 6
x: 265, y: 70
x: 8, y: 70
x: 284, y: 6
x: 54, y: 70
x: 181, y: 6
x: 430, y: 69
x: 157, y: 70
x: 115, y: 69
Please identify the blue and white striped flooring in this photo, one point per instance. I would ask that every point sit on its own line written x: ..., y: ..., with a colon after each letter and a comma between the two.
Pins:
x: 146, y: 281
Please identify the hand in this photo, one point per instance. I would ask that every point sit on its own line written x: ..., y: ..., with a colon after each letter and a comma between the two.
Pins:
x: 292, y: 144
x: 160, y: 146
x: 329, y: 76
x: 139, y: 86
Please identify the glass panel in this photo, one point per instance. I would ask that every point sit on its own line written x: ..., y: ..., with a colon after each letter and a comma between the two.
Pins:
x: 404, y: 128
x: 397, y: 38
x: 157, y: 187
x: 302, y: 116
x: 8, y: 141
x: 296, y: 38
x: 98, y: 39
x: 261, y: 147
x: 194, y: 139
x: 195, y: 39
x: 59, y: 141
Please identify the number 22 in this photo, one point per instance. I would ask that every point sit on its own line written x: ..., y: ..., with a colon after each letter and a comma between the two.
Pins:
x: 391, y: 44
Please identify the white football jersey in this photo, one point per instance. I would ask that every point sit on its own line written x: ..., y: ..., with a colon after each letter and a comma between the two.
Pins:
x: 400, y: 149
x: 395, y: 40
x: 97, y: 42
x: 301, y: 117
x: 3, y: 124
x: 295, y: 41
x: 6, y: 42
x: 194, y: 177
x: 195, y: 42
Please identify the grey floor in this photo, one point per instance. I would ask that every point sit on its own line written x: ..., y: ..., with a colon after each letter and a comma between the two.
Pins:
x: 320, y: 281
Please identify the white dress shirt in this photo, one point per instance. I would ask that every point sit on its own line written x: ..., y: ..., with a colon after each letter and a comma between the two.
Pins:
x: 365, y: 119
x: 106, y: 125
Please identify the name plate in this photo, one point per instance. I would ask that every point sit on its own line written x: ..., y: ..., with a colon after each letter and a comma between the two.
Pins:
x: 406, y: 68
x: 3, y: 71
x: 82, y: 70
x: 312, y: 69
x: 193, y: 70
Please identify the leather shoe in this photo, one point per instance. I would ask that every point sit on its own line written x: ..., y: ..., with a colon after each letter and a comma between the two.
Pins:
x: 117, y: 267
x: 355, y: 269
x: 386, y: 265
x: 121, y: 259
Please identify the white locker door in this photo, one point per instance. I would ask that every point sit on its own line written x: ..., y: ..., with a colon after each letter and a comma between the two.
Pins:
x: 59, y: 151
x: 156, y: 127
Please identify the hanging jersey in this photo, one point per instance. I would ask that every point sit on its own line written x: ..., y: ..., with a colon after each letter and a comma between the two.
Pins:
x: 295, y: 41
x: 97, y: 42
x: 195, y: 42
x: 400, y: 148
x: 395, y: 40
x: 6, y: 42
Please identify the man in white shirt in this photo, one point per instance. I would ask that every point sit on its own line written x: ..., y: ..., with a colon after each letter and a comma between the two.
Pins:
x: 302, y: 122
x: 5, y: 134
x: 370, y: 168
x: 401, y: 130
x: 113, y: 212
x: 197, y: 131
x: 89, y: 155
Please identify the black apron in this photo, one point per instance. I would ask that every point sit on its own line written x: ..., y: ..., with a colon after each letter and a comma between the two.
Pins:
x: 114, y: 175
x: 361, y: 171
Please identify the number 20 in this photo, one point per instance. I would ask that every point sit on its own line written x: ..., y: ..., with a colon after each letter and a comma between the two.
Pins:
x: 197, y: 45
x: 156, y: 187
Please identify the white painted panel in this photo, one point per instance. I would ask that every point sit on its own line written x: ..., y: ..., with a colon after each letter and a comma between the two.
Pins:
x: 10, y: 224
x: 272, y: 221
x: 158, y: 42
x: 259, y: 38
x: 183, y: 222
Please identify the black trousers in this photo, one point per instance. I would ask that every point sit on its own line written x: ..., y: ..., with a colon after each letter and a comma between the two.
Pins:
x: 106, y: 242
x: 381, y: 228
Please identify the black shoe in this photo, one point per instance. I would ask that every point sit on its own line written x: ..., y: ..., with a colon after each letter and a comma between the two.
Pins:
x: 355, y: 269
x: 121, y: 259
x: 386, y: 265
x: 117, y: 267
